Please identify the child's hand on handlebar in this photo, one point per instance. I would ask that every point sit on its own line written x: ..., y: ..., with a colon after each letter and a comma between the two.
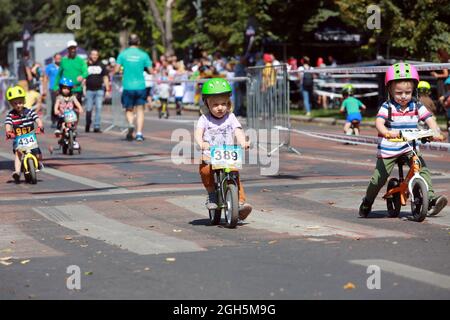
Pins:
x: 438, y: 138
x: 246, y: 145
x: 10, y: 135
x: 205, y: 145
x: 392, y: 134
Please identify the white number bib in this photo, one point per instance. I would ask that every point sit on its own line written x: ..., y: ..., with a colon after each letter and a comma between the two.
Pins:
x: 70, y: 116
x: 26, y: 141
x: 226, y: 157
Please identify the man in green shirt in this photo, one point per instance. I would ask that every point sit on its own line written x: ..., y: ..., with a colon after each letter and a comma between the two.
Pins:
x: 134, y: 96
x: 74, y: 68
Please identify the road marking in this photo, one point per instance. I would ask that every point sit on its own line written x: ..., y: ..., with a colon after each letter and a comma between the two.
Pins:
x: 350, y: 198
x: 293, y: 222
x: 18, y: 245
x: 124, y: 191
x: 89, y: 223
x: 409, y: 272
x: 68, y: 176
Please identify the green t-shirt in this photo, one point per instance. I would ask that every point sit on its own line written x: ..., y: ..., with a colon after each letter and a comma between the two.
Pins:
x: 351, y: 105
x: 72, y: 69
x: 134, y: 61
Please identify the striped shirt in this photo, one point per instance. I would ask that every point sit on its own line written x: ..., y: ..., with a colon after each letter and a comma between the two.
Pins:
x: 400, y: 119
x: 23, y: 122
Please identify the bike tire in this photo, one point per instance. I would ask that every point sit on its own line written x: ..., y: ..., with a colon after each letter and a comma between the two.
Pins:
x: 70, y: 144
x: 419, y: 205
x: 393, y: 204
x: 231, y: 206
x: 32, y: 171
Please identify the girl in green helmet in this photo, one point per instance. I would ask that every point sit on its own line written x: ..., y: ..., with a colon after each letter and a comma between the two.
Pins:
x: 219, y: 126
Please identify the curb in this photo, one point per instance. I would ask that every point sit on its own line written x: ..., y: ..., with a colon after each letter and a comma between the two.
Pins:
x: 333, y: 121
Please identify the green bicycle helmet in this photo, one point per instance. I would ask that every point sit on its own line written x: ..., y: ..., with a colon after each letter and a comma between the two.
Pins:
x: 348, y: 89
x: 215, y: 86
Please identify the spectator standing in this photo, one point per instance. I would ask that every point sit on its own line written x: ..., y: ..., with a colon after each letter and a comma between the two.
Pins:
x: 239, y: 86
x: 307, y: 84
x: 74, y: 68
x: 97, y: 82
x: 49, y: 83
x: 24, y: 75
x: 440, y: 76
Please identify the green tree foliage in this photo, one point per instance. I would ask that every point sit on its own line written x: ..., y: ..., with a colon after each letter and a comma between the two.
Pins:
x: 409, y: 29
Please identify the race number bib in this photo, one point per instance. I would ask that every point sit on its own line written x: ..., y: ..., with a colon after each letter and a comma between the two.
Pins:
x: 70, y: 116
x: 226, y: 157
x: 26, y: 142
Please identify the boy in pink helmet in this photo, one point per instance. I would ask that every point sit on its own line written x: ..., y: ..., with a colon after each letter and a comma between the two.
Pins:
x: 401, y: 111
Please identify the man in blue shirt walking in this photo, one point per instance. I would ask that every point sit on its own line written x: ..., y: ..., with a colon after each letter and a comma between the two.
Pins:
x: 50, y: 74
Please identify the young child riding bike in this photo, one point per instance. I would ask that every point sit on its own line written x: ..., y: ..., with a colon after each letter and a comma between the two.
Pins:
x: 66, y: 101
x: 19, y: 121
x: 217, y: 127
x: 352, y: 107
x: 401, y: 111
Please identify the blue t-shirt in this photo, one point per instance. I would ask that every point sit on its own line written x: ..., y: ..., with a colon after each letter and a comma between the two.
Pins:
x: 51, y: 71
x: 134, y: 61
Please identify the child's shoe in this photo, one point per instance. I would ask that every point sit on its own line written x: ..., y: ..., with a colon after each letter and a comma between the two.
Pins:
x: 211, y: 201
x: 365, y: 208
x: 16, y: 176
x: 436, y: 205
x: 244, y: 210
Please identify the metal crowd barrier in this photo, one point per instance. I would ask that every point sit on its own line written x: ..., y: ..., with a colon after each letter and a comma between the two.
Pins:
x: 5, y: 83
x: 118, y: 115
x: 268, y: 104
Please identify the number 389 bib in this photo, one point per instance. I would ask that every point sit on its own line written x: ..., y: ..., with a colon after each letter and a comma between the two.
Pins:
x: 226, y: 157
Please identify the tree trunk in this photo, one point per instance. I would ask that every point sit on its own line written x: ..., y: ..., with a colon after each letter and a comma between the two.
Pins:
x: 169, y: 35
x: 166, y: 26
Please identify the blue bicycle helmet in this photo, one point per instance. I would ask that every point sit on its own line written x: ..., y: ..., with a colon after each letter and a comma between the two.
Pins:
x: 66, y: 82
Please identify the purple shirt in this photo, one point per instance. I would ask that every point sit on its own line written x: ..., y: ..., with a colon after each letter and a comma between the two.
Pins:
x: 218, y: 131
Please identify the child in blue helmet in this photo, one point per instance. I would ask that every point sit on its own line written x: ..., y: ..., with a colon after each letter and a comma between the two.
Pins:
x: 66, y: 100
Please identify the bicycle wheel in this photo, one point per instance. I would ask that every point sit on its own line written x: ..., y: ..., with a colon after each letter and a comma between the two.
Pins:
x: 32, y: 171
x: 393, y: 204
x: 419, y: 202
x: 70, y: 145
x: 231, y: 206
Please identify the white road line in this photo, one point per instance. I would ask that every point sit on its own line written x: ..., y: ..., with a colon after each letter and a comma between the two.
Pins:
x: 409, y: 272
x: 350, y: 198
x: 293, y: 222
x: 18, y: 245
x: 89, y: 223
x: 67, y: 176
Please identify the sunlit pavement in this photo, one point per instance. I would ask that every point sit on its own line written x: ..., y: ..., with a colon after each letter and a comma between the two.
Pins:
x: 134, y: 223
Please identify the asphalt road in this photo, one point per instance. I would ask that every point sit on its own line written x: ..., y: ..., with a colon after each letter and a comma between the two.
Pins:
x: 133, y: 223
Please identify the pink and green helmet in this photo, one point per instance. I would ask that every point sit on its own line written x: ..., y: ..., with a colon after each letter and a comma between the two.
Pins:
x: 401, y: 71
